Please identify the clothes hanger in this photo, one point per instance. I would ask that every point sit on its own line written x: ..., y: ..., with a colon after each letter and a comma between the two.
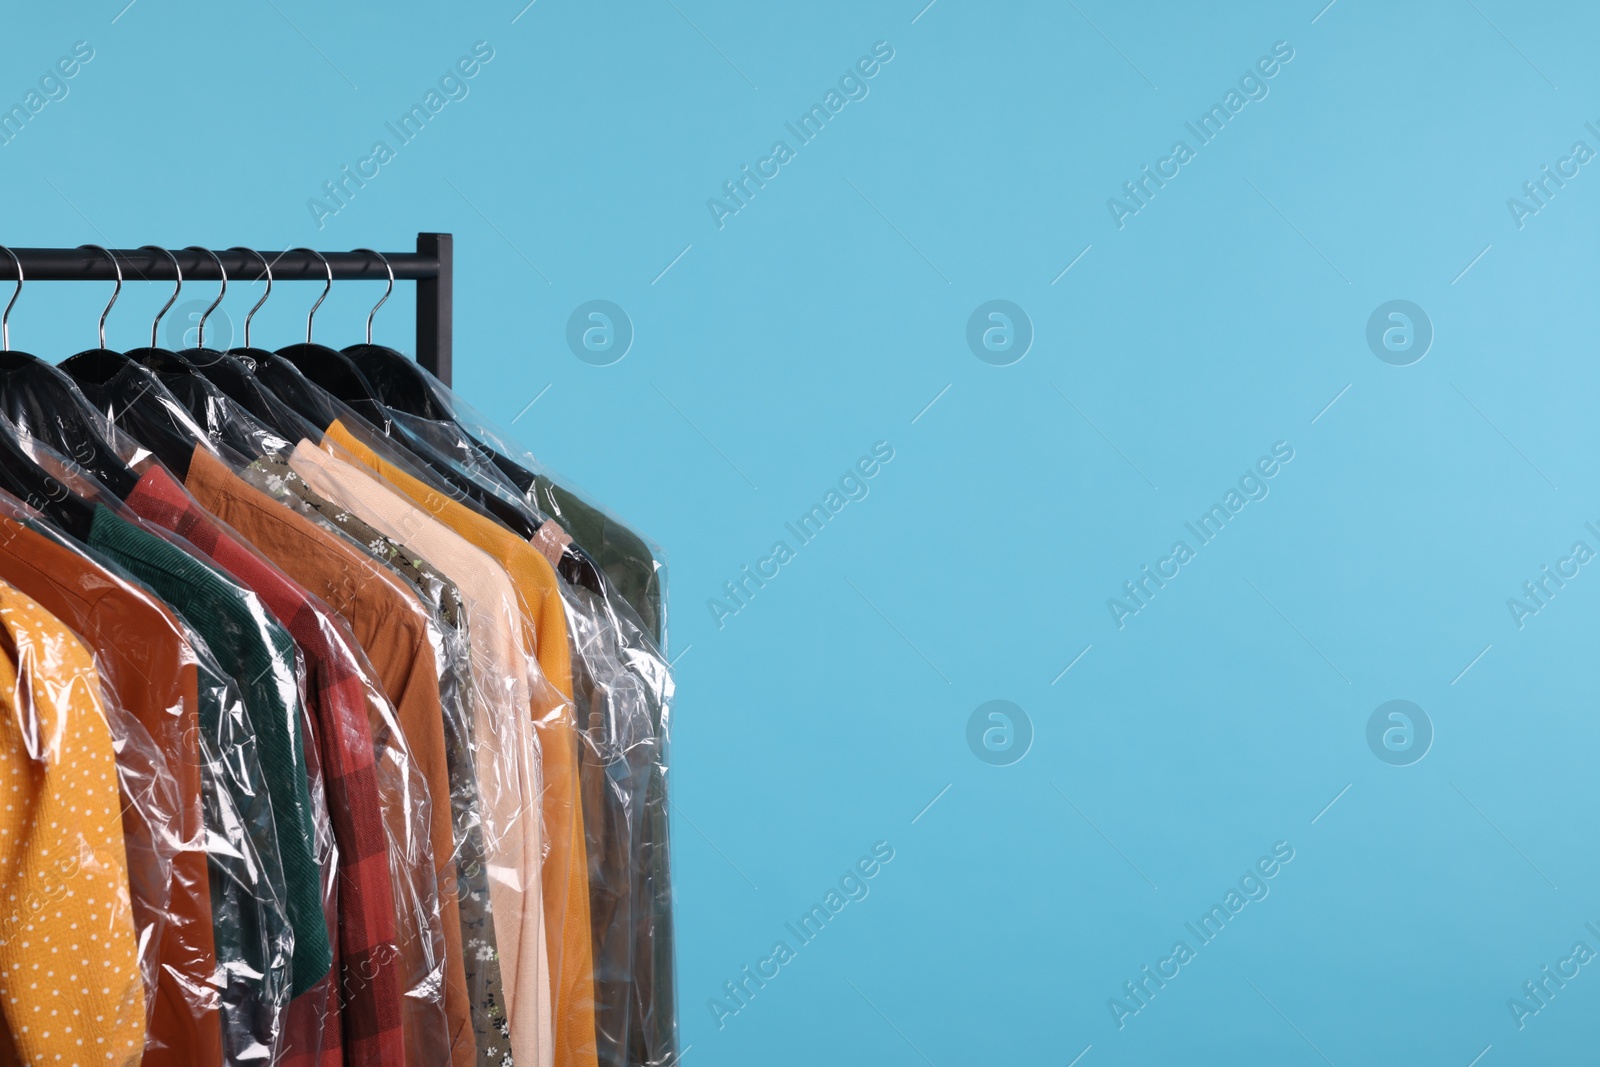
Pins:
x: 44, y: 404
x: 394, y: 374
x: 450, y: 469
x: 313, y: 399
x: 285, y: 379
x: 404, y: 385
x: 234, y: 373
x: 381, y: 357
x: 105, y: 360
x: 399, y: 382
x: 115, y: 293
x: 213, y: 410
x: 135, y: 400
x: 163, y: 359
x: 332, y: 369
x: 401, y: 377
x: 20, y: 473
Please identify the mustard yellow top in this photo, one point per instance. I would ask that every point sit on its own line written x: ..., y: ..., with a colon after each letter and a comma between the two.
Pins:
x: 70, y: 987
x: 566, y: 868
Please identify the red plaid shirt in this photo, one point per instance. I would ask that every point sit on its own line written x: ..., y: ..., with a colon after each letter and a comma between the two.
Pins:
x: 366, y: 1012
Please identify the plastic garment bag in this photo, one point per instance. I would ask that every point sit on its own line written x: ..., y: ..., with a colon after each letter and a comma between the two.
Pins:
x: 392, y: 621
x: 43, y: 403
x: 620, y: 687
x: 544, y: 633
x: 622, y: 805
x: 157, y: 775
x: 450, y: 636
x: 63, y: 868
x: 394, y: 972
x: 633, y: 565
x: 338, y: 376
x: 506, y: 747
x: 231, y: 981
x: 568, y: 971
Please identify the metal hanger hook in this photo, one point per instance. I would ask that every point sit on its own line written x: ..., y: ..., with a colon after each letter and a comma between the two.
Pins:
x: 266, y: 268
x: 5, y: 319
x: 116, y: 266
x: 155, y: 327
x: 325, y: 289
x: 200, y: 330
x: 385, y: 298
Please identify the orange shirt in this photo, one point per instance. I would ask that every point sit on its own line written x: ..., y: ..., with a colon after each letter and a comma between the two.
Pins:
x: 393, y: 630
x: 566, y: 868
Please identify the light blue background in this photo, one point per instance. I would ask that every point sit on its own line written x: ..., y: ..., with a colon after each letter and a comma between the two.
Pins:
x: 826, y: 316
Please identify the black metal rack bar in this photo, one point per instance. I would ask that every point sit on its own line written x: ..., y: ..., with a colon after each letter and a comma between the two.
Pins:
x: 430, y: 266
x: 435, y: 299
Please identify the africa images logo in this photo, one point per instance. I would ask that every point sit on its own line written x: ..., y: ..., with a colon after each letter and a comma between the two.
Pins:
x: 853, y: 886
x: 852, y: 87
x: 853, y: 485
x: 1208, y: 127
x: 1252, y: 486
x: 1252, y: 887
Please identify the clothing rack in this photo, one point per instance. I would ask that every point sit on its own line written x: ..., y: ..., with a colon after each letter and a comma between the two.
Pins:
x: 431, y: 266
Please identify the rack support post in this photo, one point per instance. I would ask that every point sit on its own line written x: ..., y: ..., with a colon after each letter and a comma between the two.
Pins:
x: 435, y: 299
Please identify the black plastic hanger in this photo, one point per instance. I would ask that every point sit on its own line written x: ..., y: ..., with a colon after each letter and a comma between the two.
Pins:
x: 296, y: 391
x: 430, y: 454
x: 292, y: 375
x: 332, y: 370
x: 283, y: 379
x: 25, y: 479
x: 404, y: 385
x: 401, y: 382
x: 213, y: 410
x: 382, y: 357
x: 22, y: 476
x: 234, y: 373
x: 138, y: 404
x: 102, y: 352
x: 134, y: 399
x: 315, y: 403
x: 42, y: 403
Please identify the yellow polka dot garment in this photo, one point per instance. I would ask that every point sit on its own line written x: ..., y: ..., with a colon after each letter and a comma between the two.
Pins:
x: 70, y: 988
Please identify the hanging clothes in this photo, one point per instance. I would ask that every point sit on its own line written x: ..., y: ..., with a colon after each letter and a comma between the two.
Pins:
x: 261, y: 658
x: 613, y: 583
x: 273, y: 476
x: 544, y: 633
x: 149, y: 666
x: 61, y: 827
x: 621, y: 691
x: 393, y: 631
x: 335, y: 568
x: 377, y: 982
x: 359, y: 717
x: 508, y: 753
